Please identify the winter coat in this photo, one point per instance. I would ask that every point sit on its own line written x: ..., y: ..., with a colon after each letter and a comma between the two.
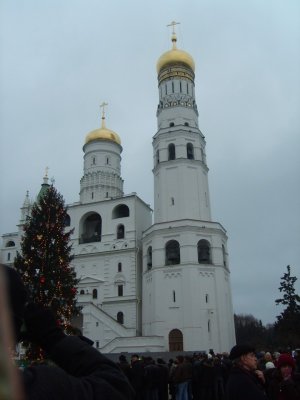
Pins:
x: 183, y: 372
x: 82, y: 373
x: 279, y: 389
x: 244, y: 385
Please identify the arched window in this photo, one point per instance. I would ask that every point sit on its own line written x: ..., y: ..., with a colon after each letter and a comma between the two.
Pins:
x: 120, y: 231
x: 120, y: 211
x: 172, y: 253
x: 171, y: 150
x: 204, y: 256
x: 8, y: 256
x: 190, y: 151
x: 95, y: 294
x: 67, y: 220
x: 11, y: 243
x: 81, y: 291
x: 175, y: 340
x: 149, y: 257
x: 119, y: 267
x: 120, y: 317
x: 91, y: 228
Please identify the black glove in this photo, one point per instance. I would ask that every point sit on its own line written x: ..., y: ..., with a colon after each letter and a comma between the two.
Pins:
x: 41, y: 326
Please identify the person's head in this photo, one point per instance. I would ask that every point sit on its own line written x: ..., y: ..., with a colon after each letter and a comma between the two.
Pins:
x: 244, y: 356
x: 268, y: 357
x: 17, y: 297
x: 286, y: 364
x: 179, y: 359
x: 134, y: 358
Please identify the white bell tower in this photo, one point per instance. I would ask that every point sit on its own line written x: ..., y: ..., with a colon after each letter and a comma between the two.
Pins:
x: 186, y: 287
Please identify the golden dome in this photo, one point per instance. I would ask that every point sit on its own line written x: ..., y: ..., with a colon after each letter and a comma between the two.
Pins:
x: 103, y: 134
x: 175, y: 56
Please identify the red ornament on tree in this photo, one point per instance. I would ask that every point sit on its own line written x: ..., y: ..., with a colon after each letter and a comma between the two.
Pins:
x: 73, y: 290
x: 42, y: 279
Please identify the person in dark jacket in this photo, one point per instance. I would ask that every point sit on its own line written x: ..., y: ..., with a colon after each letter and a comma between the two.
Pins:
x: 283, y: 382
x: 245, y: 382
x: 80, y: 373
x: 137, y: 376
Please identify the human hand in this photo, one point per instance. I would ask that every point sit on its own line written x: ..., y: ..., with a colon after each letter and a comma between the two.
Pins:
x: 260, y: 375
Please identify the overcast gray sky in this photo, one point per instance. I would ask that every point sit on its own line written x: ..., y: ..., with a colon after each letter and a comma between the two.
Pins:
x: 61, y: 59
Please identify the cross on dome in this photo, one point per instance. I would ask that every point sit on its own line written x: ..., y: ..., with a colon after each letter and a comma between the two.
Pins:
x: 174, y: 37
x: 103, y: 105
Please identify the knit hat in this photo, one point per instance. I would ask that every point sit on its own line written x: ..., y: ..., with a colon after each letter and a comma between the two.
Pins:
x: 240, y: 350
x: 269, y: 365
x: 17, y: 297
x: 285, y: 359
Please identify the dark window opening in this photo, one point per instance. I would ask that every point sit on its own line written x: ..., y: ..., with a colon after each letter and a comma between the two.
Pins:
x: 203, y: 252
x: 157, y: 156
x: 119, y: 267
x: 120, y: 317
x: 224, y: 255
x: 81, y: 291
x: 120, y: 211
x: 8, y: 256
x: 92, y: 227
x: 120, y: 232
x: 95, y: 294
x: 171, y: 124
x: 174, y: 296
x: 190, y: 151
x: 149, y: 257
x: 67, y: 220
x: 171, y: 149
x: 186, y: 124
x: 120, y: 290
x: 172, y: 253
x: 11, y: 243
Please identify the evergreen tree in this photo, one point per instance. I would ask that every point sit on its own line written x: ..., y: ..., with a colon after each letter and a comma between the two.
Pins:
x: 44, y: 264
x: 287, y: 325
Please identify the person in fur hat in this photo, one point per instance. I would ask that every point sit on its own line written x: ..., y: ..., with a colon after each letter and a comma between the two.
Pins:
x: 80, y: 373
x: 245, y: 381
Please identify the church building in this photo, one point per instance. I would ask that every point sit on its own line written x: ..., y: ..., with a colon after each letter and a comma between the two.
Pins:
x: 150, y: 280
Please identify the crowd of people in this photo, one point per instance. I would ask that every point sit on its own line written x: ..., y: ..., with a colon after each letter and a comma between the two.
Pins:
x: 240, y: 375
x: 79, y: 371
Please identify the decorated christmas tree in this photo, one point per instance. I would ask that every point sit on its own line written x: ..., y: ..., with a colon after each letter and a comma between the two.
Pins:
x: 44, y: 262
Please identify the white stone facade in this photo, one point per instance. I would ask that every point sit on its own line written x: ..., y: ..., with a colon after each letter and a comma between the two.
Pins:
x: 150, y: 285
